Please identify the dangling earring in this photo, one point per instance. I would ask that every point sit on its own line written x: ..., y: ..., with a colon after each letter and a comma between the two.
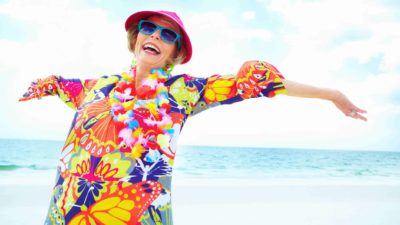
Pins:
x: 133, y: 63
x: 169, y: 67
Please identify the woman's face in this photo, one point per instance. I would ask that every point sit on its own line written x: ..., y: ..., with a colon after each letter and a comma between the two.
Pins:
x: 150, y: 50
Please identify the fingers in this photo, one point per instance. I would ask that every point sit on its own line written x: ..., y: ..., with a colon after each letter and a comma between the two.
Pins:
x: 360, y: 110
x: 362, y: 118
x: 348, y: 108
x: 356, y: 114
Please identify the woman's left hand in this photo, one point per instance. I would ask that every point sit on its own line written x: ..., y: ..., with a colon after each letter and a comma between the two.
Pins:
x: 337, y: 97
x: 347, y: 107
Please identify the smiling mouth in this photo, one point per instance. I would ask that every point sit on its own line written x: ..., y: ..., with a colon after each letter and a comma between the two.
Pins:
x: 151, y: 49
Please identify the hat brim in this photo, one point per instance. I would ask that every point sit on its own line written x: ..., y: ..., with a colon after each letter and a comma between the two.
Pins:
x: 136, y: 17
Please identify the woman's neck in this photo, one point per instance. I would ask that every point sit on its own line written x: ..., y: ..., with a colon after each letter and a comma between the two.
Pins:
x: 142, y: 72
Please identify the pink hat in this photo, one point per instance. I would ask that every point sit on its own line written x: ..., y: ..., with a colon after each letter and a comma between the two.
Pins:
x: 136, y: 17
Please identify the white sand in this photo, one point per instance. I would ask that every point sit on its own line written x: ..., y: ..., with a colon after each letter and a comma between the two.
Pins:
x: 300, y: 203
x: 22, y: 204
x: 207, y: 201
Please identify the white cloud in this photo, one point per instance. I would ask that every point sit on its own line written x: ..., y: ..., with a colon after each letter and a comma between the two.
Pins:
x: 328, y: 15
x: 216, y: 42
x: 67, y: 39
x: 248, y: 15
x: 312, y: 26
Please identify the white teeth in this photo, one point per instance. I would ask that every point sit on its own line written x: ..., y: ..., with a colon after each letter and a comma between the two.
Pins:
x: 151, y: 46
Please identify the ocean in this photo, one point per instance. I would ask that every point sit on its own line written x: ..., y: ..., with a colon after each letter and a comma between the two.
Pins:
x: 285, y: 186
x: 41, y: 157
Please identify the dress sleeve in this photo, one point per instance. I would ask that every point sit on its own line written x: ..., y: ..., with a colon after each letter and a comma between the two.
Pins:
x: 70, y: 91
x: 254, y: 79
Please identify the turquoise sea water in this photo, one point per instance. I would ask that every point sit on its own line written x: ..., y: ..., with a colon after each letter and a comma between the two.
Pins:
x: 227, y: 162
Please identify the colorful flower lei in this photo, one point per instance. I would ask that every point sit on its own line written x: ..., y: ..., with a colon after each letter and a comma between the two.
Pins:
x: 143, y: 112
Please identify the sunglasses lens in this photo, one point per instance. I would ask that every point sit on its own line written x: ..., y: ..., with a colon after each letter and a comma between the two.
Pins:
x: 168, y: 35
x: 147, y: 28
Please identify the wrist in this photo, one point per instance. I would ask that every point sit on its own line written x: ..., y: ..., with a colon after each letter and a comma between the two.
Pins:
x: 333, y: 95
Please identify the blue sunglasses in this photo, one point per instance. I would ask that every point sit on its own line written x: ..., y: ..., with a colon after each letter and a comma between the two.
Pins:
x: 167, y: 35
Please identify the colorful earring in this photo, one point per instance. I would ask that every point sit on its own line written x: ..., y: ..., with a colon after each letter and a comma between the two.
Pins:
x: 133, y: 63
x: 168, y: 68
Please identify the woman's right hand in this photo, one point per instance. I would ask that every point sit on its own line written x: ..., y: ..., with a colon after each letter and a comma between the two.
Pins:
x: 40, y: 88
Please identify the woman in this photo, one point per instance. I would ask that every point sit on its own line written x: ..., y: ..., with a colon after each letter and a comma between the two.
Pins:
x: 116, y: 164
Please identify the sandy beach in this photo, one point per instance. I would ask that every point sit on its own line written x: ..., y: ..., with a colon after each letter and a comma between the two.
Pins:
x: 230, y: 201
x: 288, y: 202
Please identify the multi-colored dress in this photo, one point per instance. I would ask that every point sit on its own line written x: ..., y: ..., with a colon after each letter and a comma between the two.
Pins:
x: 116, y: 164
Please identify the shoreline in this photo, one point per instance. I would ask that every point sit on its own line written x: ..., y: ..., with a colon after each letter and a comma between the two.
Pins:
x: 46, y: 177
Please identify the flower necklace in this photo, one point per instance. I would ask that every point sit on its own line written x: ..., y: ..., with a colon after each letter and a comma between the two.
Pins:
x: 143, y: 112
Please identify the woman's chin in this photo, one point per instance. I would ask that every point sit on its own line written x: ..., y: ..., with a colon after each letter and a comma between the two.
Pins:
x: 150, y: 60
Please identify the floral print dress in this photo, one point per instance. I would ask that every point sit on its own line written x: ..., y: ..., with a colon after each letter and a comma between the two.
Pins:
x: 116, y: 164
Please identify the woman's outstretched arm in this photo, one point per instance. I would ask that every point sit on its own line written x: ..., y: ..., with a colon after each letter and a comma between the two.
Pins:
x: 70, y: 91
x: 338, y: 98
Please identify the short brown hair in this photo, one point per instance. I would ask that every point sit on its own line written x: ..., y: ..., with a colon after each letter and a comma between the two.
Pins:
x: 132, y: 37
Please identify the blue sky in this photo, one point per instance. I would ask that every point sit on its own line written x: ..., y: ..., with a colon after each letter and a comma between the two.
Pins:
x: 350, y: 45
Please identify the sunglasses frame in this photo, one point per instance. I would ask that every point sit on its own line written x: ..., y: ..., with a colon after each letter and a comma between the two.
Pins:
x: 158, y: 27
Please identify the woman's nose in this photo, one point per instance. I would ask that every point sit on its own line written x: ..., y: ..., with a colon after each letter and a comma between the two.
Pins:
x: 156, y: 34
